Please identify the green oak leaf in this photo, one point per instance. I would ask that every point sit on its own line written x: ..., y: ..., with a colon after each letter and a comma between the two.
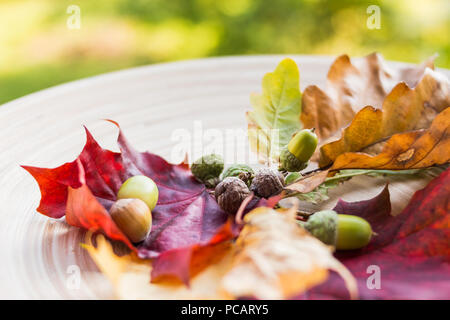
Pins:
x: 275, y: 116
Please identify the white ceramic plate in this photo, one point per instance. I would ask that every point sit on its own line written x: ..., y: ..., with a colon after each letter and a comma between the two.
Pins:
x: 40, y: 257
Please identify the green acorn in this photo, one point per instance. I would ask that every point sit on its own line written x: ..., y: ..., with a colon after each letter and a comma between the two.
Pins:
x: 241, y: 171
x: 294, y: 157
x: 207, y: 169
x: 345, y: 232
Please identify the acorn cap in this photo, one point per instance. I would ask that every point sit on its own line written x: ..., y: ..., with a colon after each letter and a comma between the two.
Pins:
x: 323, y: 225
x: 289, y: 162
x: 241, y: 171
x: 207, y: 167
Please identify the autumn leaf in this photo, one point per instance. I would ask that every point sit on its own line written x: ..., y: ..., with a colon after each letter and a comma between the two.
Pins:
x: 364, y: 130
x: 84, y: 190
x: 411, y: 104
x: 109, y: 263
x: 172, y: 264
x: 410, y: 252
x: 410, y: 97
x: 185, y: 222
x: 276, y: 259
x: 265, y: 262
x: 411, y: 150
x: 377, y: 208
x: 308, y: 183
x: 130, y: 275
x: 404, y: 100
x: 275, y: 115
x: 400, y: 113
x: 84, y: 211
x: 103, y: 172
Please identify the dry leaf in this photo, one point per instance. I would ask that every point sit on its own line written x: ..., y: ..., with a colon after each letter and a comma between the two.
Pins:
x: 130, y: 276
x: 111, y: 265
x: 277, y: 259
x: 404, y: 109
x: 272, y: 258
x: 410, y: 150
x: 308, y: 183
x: 369, y: 81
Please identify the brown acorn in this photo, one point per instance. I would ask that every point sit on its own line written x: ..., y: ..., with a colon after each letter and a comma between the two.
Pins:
x: 267, y: 183
x: 133, y: 217
x: 230, y: 193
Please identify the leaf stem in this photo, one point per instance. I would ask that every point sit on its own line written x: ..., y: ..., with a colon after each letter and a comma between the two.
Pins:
x: 354, y: 173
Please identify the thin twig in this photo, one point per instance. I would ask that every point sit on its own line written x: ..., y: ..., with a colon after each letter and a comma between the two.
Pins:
x: 316, y: 170
x: 240, y: 212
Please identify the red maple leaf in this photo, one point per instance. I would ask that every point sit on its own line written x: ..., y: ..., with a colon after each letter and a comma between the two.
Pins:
x: 185, y: 216
x: 410, y: 254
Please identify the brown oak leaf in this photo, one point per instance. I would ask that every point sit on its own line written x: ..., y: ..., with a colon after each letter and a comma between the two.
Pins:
x: 403, y: 110
x: 353, y: 85
x: 410, y: 150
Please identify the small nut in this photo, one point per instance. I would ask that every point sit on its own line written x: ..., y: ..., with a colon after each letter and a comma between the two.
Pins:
x: 133, y: 217
x: 207, y: 168
x: 267, y: 183
x: 140, y: 187
x: 230, y: 193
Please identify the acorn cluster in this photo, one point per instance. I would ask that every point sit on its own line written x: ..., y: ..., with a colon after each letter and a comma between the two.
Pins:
x: 138, y: 195
x: 237, y: 182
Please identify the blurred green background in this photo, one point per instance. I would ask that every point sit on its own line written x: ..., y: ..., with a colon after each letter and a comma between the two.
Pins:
x: 38, y: 50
